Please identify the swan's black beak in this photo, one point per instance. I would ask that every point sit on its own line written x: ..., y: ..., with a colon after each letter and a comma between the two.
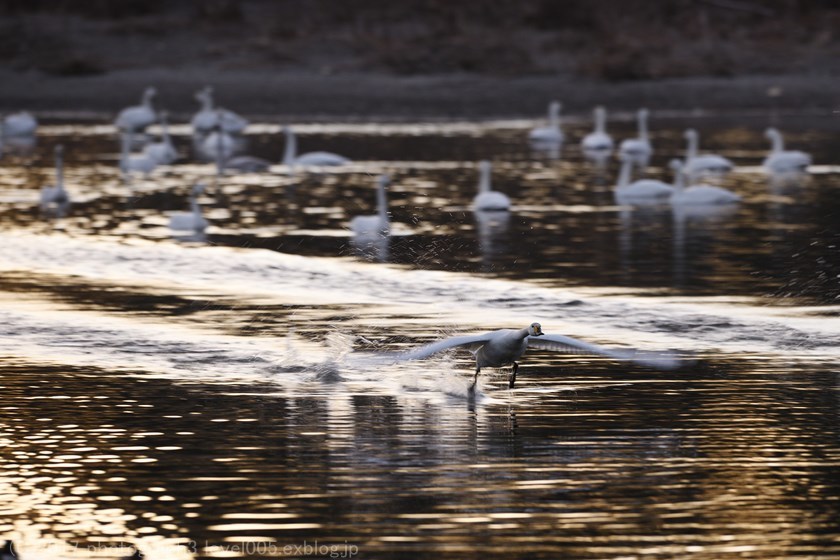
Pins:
x: 538, y: 330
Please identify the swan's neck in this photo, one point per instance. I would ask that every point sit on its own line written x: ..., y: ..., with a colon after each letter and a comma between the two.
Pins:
x: 778, y: 145
x: 643, y: 127
x: 624, y: 174
x: 600, y: 121
x: 691, y: 149
x: 147, y: 99
x: 291, y: 147
x: 382, y: 203
x: 59, y: 172
x: 484, y: 180
x: 679, y: 180
x: 126, y: 139
x: 523, y: 333
x: 196, y: 209
x: 554, y: 115
x: 220, y: 153
x: 164, y: 125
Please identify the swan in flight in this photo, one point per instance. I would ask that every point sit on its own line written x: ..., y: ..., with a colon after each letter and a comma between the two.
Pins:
x: 504, y: 347
x: 377, y: 224
x: 488, y: 199
x: 314, y: 159
x: 551, y: 133
x: 638, y: 149
x: 56, y: 194
x: 192, y: 220
x: 209, y: 118
x: 21, y: 123
x: 598, y: 140
x: 643, y: 191
x: 131, y: 163
x: 780, y: 160
x: 163, y: 151
x: 138, y: 117
x: 702, y: 164
x: 698, y: 195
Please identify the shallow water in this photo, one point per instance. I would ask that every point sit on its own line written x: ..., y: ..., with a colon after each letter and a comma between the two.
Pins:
x: 219, y: 396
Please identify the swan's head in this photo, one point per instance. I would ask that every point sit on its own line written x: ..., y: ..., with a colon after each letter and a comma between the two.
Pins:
x: 287, y: 130
x: 535, y: 329
x: 150, y: 92
x: 600, y: 111
x: 690, y: 134
x: 59, y: 150
x: 676, y: 165
x: 771, y: 133
x: 485, y: 166
x: 555, y: 106
x: 384, y: 180
x: 198, y: 189
x: 643, y: 114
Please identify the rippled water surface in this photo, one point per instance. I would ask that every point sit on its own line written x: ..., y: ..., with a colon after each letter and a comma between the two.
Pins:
x: 219, y: 395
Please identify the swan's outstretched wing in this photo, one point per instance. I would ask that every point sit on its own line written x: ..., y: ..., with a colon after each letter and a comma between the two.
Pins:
x: 559, y: 343
x: 470, y: 342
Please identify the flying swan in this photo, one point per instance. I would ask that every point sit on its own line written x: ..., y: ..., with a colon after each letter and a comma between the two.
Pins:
x: 505, y: 346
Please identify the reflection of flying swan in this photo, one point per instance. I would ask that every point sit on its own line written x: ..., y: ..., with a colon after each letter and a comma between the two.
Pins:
x: 505, y: 346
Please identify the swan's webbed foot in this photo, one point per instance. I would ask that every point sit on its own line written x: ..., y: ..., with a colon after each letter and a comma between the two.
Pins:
x: 512, y: 378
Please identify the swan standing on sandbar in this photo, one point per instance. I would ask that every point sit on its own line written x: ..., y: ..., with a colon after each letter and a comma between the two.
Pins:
x: 314, y: 159
x: 56, y: 194
x: 488, y: 199
x: 377, y: 224
x: 504, y: 347
x: 163, y: 151
x: 698, y: 195
x: 643, y: 191
x: 192, y: 220
x: 598, y: 140
x: 138, y: 117
x: 21, y: 123
x: 208, y: 117
x: 702, y: 164
x: 780, y: 160
x: 638, y: 149
x: 550, y: 134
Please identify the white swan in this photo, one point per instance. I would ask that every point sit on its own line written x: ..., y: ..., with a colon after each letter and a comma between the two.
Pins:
x: 315, y: 159
x: 643, y: 191
x: 192, y: 220
x: 780, y: 160
x: 136, y: 118
x: 208, y: 117
x: 488, y: 199
x: 377, y: 224
x: 706, y: 163
x: 247, y: 164
x: 551, y: 133
x: 21, y: 123
x: 56, y: 194
x: 638, y: 149
x: 163, y: 151
x: 504, y: 347
x: 131, y: 163
x: 698, y: 195
x: 598, y: 140
x: 218, y: 145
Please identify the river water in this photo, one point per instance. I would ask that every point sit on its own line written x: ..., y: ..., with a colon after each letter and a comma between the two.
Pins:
x: 217, y: 395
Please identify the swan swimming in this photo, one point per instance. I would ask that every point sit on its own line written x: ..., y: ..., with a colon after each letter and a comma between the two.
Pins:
x: 315, y: 159
x: 706, y: 163
x: 56, y: 194
x: 698, y: 195
x: 488, y: 199
x: 780, y: 160
x: 209, y: 118
x: 552, y: 132
x: 21, y: 123
x: 137, y: 117
x: 598, y: 140
x: 504, y: 347
x: 638, y: 149
x: 377, y: 224
x: 643, y: 191
x: 163, y: 152
x: 130, y: 163
x: 192, y: 220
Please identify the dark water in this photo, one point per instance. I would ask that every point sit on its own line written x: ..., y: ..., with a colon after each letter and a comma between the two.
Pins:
x: 207, y: 397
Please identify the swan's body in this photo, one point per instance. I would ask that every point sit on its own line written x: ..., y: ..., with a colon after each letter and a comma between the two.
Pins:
x: 56, y: 194
x: 698, y: 195
x: 598, y: 140
x: 504, y: 347
x: 644, y: 191
x: 310, y: 159
x: 638, y: 149
x: 488, y: 199
x: 703, y: 164
x: 138, y: 117
x: 21, y: 123
x: 550, y: 133
x: 218, y: 145
x: 247, y: 164
x: 135, y: 163
x: 192, y: 220
x: 377, y: 224
x: 163, y: 152
x: 209, y: 118
x: 780, y: 160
